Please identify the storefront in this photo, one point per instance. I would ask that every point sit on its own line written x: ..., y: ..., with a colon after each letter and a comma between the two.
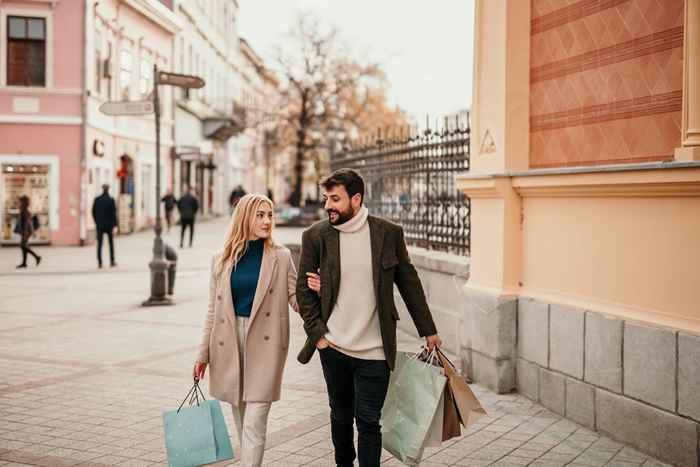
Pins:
x: 36, y: 178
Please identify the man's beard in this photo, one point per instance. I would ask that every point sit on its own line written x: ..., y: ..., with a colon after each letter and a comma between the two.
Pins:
x: 343, y: 216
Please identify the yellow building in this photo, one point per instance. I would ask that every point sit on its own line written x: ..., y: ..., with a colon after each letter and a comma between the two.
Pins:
x: 584, y: 288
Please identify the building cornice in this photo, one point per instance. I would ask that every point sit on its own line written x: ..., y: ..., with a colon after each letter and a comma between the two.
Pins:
x: 158, y: 13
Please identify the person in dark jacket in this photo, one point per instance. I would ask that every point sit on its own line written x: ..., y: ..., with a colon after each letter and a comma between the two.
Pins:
x: 188, y: 207
x: 25, y: 228
x: 169, y: 203
x: 104, y: 212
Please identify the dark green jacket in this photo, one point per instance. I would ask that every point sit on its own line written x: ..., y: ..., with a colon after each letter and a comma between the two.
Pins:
x: 391, y: 264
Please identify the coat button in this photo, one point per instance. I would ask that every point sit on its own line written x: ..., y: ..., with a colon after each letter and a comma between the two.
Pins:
x: 271, y: 291
x: 222, y: 320
x: 267, y: 314
x: 221, y: 342
x: 218, y: 297
x: 267, y: 338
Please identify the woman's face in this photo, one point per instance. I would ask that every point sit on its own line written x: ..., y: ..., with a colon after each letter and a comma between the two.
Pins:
x: 262, y: 225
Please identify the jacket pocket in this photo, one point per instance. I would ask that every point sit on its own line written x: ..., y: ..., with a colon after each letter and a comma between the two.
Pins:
x: 389, y: 262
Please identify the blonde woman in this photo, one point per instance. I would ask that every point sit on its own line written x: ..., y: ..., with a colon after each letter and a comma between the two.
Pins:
x: 245, y: 338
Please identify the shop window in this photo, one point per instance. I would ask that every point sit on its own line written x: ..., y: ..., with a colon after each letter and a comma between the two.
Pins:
x: 98, y: 62
x: 26, y: 51
x: 32, y: 181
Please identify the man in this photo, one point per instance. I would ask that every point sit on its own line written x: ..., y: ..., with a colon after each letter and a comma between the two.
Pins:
x: 104, y: 212
x: 236, y: 196
x: 169, y: 203
x: 353, y: 321
x: 188, y: 207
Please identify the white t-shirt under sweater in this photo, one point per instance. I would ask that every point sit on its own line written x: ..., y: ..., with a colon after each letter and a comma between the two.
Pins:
x: 353, y: 327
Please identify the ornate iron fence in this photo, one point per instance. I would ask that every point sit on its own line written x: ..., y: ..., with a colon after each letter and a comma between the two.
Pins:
x: 409, y: 178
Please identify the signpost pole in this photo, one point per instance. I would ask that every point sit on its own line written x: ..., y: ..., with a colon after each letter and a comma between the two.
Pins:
x: 158, y: 264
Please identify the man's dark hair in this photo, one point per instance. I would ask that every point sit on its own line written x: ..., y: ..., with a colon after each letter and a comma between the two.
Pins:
x: 351, y: 180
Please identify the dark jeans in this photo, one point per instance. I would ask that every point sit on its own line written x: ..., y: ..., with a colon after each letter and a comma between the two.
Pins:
x: 24, y: 245
x: 100, y: 234
x: 356, y: 391
x: 184, y: 223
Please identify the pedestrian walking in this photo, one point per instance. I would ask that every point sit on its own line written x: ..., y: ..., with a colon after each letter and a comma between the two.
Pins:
x: 246, y: 330
x: 25, y: 227
x: 104, y: 212
x: 169, y: 203
x: 236, y: 195
x: 188, y: 207
x: 352, y: 322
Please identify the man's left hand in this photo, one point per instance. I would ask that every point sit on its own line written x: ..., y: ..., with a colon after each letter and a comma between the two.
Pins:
x: 433, y: 341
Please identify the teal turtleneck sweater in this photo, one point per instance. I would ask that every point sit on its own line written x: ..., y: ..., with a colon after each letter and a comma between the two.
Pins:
x: 244, y: 278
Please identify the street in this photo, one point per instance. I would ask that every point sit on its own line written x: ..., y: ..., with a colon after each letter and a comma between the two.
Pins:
x: 87, y: 372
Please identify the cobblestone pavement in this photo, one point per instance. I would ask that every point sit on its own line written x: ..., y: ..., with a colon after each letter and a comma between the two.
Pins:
x: 87, y: 373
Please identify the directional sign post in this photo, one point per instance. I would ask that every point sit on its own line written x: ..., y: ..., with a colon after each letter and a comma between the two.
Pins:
x: 158, y: 264
x: 127, y: 108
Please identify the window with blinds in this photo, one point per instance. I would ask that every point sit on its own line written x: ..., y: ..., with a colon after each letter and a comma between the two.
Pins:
x: 26, y: 51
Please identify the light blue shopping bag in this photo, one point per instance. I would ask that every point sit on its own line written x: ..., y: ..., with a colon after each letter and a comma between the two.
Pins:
x: 197, y: 434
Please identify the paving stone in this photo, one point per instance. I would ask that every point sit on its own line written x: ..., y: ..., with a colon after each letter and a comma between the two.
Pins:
x: 553, y: 391
x: 566, y: 340
x: 533, y: 331
x: 650, y: 364
x: 603, y: 351
x: 666, y: 436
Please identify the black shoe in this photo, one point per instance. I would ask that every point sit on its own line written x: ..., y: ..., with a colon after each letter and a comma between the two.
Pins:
x: 112, y: 264
x: 99, y: 266
x: 20, y: 266
x: 38, y: 260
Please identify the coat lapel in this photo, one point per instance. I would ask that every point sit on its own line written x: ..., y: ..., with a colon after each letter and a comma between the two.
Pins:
x: 376, y: 233
x: 267, y: 269
x: 331, y: 238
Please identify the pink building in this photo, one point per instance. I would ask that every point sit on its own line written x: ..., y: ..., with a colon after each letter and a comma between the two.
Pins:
x: 59, y: 60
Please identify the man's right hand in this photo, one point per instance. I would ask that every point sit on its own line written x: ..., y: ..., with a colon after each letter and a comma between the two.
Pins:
x: 322, y: 343
x: 199, y: 370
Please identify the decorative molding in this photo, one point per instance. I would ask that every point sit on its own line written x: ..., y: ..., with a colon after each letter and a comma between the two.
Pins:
x: 638, y: 47
x: 158, y: 13
x: 570, y: 13
x: 41, y: 119
x: 41, y: 90
x: 630, y: 108
x: 488, y: 145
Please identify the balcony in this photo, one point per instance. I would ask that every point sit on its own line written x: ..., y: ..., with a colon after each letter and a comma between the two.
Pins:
x: 221, y: 128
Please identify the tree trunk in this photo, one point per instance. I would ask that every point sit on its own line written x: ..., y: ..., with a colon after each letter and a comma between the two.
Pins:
x: 295, y: 197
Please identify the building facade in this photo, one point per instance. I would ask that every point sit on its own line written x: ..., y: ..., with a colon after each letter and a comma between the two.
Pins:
x: 585, y: 234
x: 59, y: 60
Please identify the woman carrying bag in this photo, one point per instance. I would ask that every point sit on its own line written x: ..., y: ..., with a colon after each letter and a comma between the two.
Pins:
x: 25, y: 229
x: 245, y: 338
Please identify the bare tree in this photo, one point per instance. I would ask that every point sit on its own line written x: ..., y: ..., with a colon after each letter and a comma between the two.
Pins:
x: 326, y: 91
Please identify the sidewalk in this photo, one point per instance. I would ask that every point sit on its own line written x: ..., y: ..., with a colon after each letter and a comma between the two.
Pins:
x: 88, y: 372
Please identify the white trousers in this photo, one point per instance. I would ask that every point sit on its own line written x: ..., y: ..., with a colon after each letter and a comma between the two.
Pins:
x: 250, y: 417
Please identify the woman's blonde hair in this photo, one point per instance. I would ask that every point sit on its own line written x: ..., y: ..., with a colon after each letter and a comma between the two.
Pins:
x: 240, y: 230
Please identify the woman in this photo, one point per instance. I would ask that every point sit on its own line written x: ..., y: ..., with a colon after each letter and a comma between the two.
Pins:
x: 246, y: 330
x: 25, y: 229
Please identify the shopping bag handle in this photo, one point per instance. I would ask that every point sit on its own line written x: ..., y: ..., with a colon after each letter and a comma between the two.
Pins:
x: 442, y: 354
x: 193, y: 395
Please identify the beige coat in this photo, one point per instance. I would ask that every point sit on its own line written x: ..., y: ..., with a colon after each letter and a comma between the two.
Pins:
x: 267, y: 342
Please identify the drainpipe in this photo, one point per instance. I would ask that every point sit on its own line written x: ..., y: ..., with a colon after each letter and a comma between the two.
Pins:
x: 83, y: 129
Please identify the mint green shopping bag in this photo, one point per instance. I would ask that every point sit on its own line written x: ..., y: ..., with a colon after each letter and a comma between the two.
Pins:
x: 412, y: 401
x: 197, y: 434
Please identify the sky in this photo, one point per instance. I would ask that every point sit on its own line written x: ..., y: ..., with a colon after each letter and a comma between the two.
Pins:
x: 425, y: 48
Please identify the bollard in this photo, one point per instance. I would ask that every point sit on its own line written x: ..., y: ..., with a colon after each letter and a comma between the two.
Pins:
x: 171, y: 257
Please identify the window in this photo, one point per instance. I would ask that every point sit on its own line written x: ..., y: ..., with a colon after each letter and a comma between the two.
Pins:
x: 26, y: 51
x: 125, y: 66
x: 108, y: 72
x: 98, y: 62
x: 145, y: 77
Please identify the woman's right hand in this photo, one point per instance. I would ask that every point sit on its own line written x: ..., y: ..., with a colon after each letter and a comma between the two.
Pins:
x: 199, y: 370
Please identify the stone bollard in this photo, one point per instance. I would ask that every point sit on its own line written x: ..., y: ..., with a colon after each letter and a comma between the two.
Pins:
x: 171, y: 257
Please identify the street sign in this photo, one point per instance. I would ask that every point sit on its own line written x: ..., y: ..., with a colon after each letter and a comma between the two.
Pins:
x: 183, y: 81
x: 127, y: 108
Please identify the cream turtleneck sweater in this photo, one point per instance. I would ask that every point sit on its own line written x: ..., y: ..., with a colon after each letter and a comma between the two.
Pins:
x: 353, y: 327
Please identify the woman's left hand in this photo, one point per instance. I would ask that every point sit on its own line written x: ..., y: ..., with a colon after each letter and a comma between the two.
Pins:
x: 313, y: 280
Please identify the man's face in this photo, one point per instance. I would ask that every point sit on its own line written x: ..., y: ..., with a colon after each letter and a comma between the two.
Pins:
x: 339, y: 206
